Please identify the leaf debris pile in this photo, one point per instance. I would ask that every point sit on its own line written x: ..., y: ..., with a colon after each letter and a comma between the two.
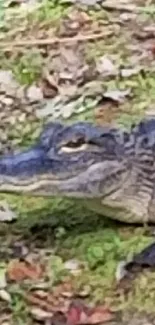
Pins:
x: 47, y: 295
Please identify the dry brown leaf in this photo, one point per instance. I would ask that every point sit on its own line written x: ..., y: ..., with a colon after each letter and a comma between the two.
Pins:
x: 106, y: 67
x: 80, y: 314
x: 73, y: 23
x: 39, y: 302
x: 61, y: 289
x: 18, y: 271
x: 106, y: 113
x: 49, y: 90
x: 40, y: 314
x: 50, y: 303
x: 73, y: 310
x: 99, y: 315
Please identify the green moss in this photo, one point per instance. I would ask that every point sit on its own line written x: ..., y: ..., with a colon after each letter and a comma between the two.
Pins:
x: 102, y: 250
x: 55, y: 212
x: 49, y: 12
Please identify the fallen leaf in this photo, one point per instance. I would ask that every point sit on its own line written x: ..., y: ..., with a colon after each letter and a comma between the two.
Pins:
x: 8, y: 101
x: 150, y: 113
x: 127, y: 16
x: 106, y: 67
x: 48, y: 90
x: 81, y: 16
x: 40, y: 314
x: 74, y: 315
x: 66, y: 308
x: 121, y: 271
x: 4, y: 295
x: 56, y: 300
x: 69, y: 67
x: 80, y: 314
x: 7, y: 78
x: 73, y: 266
x: 58, y: 319
x: 3, y: 282
x: 18, y: 271
x: 130, y: 72
x: 99, y: 315
x: 70, y: 25
x: 34, y: 94
x: 85, y: 2
x: 118, y: 6
x: 6, y: 214
x: 56, y: 107
x: 69, y: 91
x: 107, y: 112
x: 117, y: 95
x: 84, y: 292
x: 5, y: 318
x: 65, y: 289
x: 40, y: 302
x: 52, y: 107
x: 77, y: 311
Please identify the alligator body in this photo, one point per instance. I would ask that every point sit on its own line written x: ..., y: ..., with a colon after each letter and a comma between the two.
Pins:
x: 110, y: 170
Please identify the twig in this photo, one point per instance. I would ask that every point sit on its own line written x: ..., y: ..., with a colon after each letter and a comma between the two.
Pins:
x: 51, y: 41
x: 119, y: 7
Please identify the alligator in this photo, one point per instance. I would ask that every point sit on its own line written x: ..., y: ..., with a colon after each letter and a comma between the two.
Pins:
x: 109, y: 169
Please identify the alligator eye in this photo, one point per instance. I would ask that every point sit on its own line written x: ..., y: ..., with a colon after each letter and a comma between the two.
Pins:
x: 79, y: 145
x: 74, y: 147
x: 75, y: 144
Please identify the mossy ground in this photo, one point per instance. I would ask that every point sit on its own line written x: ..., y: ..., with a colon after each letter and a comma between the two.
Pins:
x: 99, y: 241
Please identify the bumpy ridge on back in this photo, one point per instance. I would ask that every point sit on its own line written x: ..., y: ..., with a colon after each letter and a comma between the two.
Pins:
x: 141, y: 147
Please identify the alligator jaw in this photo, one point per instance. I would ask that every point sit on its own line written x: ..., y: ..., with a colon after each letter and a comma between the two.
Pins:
x: 32, y: 173
x: 23, y: 171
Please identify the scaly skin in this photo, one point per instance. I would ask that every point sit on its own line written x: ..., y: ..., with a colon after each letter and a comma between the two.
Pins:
x: 109, y: 170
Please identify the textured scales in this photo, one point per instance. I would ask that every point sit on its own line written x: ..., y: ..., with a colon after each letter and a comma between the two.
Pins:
x: 108, y: 169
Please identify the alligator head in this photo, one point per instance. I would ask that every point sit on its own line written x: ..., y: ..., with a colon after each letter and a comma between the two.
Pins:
x: 79, y: 160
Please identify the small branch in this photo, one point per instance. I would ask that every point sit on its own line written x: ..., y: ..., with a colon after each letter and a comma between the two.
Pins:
x: 119, y: 7
x: 55, y: 40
